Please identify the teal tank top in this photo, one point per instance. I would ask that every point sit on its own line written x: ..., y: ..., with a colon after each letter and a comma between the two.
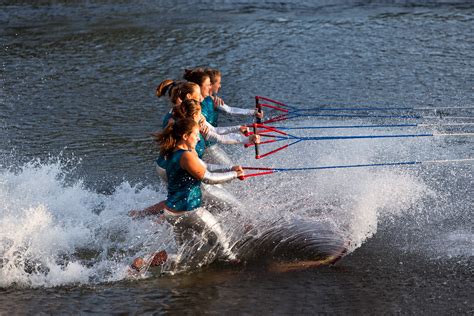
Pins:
x: 211, y: 115
x: 161, y: 162
x: 184, y: 191
x: 200, y: 146
x: 209, y: 112
x: 166, y: 119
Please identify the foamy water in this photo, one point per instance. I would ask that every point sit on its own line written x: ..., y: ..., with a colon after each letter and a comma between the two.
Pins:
x: 55, y: 231
x: 356, y: 199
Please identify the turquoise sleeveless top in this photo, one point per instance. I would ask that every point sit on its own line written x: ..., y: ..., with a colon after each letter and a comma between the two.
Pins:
x: 211, y: 115
x: 166, y: 119
x: 209, y: 112
x: 161, y: 162
x: 184, y: 191
x: 200, y: 146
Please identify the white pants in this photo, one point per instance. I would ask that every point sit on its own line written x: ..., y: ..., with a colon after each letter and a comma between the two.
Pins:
x: 198, y: 220
x: 216, y: 155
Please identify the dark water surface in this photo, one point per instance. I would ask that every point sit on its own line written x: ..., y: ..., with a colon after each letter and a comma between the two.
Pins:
x: 77, y: 106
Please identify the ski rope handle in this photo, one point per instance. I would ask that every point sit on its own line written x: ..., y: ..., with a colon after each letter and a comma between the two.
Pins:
x: 258, y: 120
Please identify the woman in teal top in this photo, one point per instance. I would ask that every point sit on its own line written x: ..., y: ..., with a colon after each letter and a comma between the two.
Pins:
x: 201, y: 145
x: 209, y: 81
x: 218, y: 105
x: 184, y: 192
x: 201, y: 78
x: 190, y: 109
x: 185, y: 91
x: 208, y: 110
x: 185, y: 172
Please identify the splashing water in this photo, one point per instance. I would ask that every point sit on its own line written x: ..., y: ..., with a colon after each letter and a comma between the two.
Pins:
x: 53, y: 234
x: 354, y: 199
x: 54, y: 231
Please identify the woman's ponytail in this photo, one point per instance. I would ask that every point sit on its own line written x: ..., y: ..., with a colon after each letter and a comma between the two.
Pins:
x: 165, y: 140
x: 165, y: 87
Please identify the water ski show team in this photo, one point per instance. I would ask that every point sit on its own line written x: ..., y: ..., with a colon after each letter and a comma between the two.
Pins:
x: 193, y: 165
x: 189, y: 133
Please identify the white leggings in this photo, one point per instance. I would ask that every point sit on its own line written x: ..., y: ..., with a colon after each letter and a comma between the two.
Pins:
x: 198, y: 220
x: 214, y: 154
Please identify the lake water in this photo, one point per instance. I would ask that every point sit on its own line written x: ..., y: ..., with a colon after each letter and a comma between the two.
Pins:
x: 77, y: 108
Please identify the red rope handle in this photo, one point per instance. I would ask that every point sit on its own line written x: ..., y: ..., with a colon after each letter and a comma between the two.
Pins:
x: 257, y: 121
x: 264, y: 142
x: 274, y: 107
x: 267, y: 129
x: 255, y: 174
x: 272, y: 129
x: 261, y: 133
x: 276, y: 119
x: 270, y: 100
x: 273, y: 151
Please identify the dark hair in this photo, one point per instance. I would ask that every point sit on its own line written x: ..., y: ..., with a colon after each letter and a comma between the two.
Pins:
x: 196, y: 75
x: 213, y: 74
x: 173, y: 133
x: 164, y: 86
x: 175, y: 89
x: 170, y: 87
x: 187, y: 109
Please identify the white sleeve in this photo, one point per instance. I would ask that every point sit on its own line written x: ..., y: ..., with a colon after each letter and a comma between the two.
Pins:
x: 223, y: 129
x: 232, y: 138
x: 219, y: 177
x: 218, y: 168
x: 227, y: 129
x: 214, y: 167
x: 234, y: 110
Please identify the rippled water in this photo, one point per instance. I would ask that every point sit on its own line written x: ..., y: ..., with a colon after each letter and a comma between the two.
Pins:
x: 77, y: 106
